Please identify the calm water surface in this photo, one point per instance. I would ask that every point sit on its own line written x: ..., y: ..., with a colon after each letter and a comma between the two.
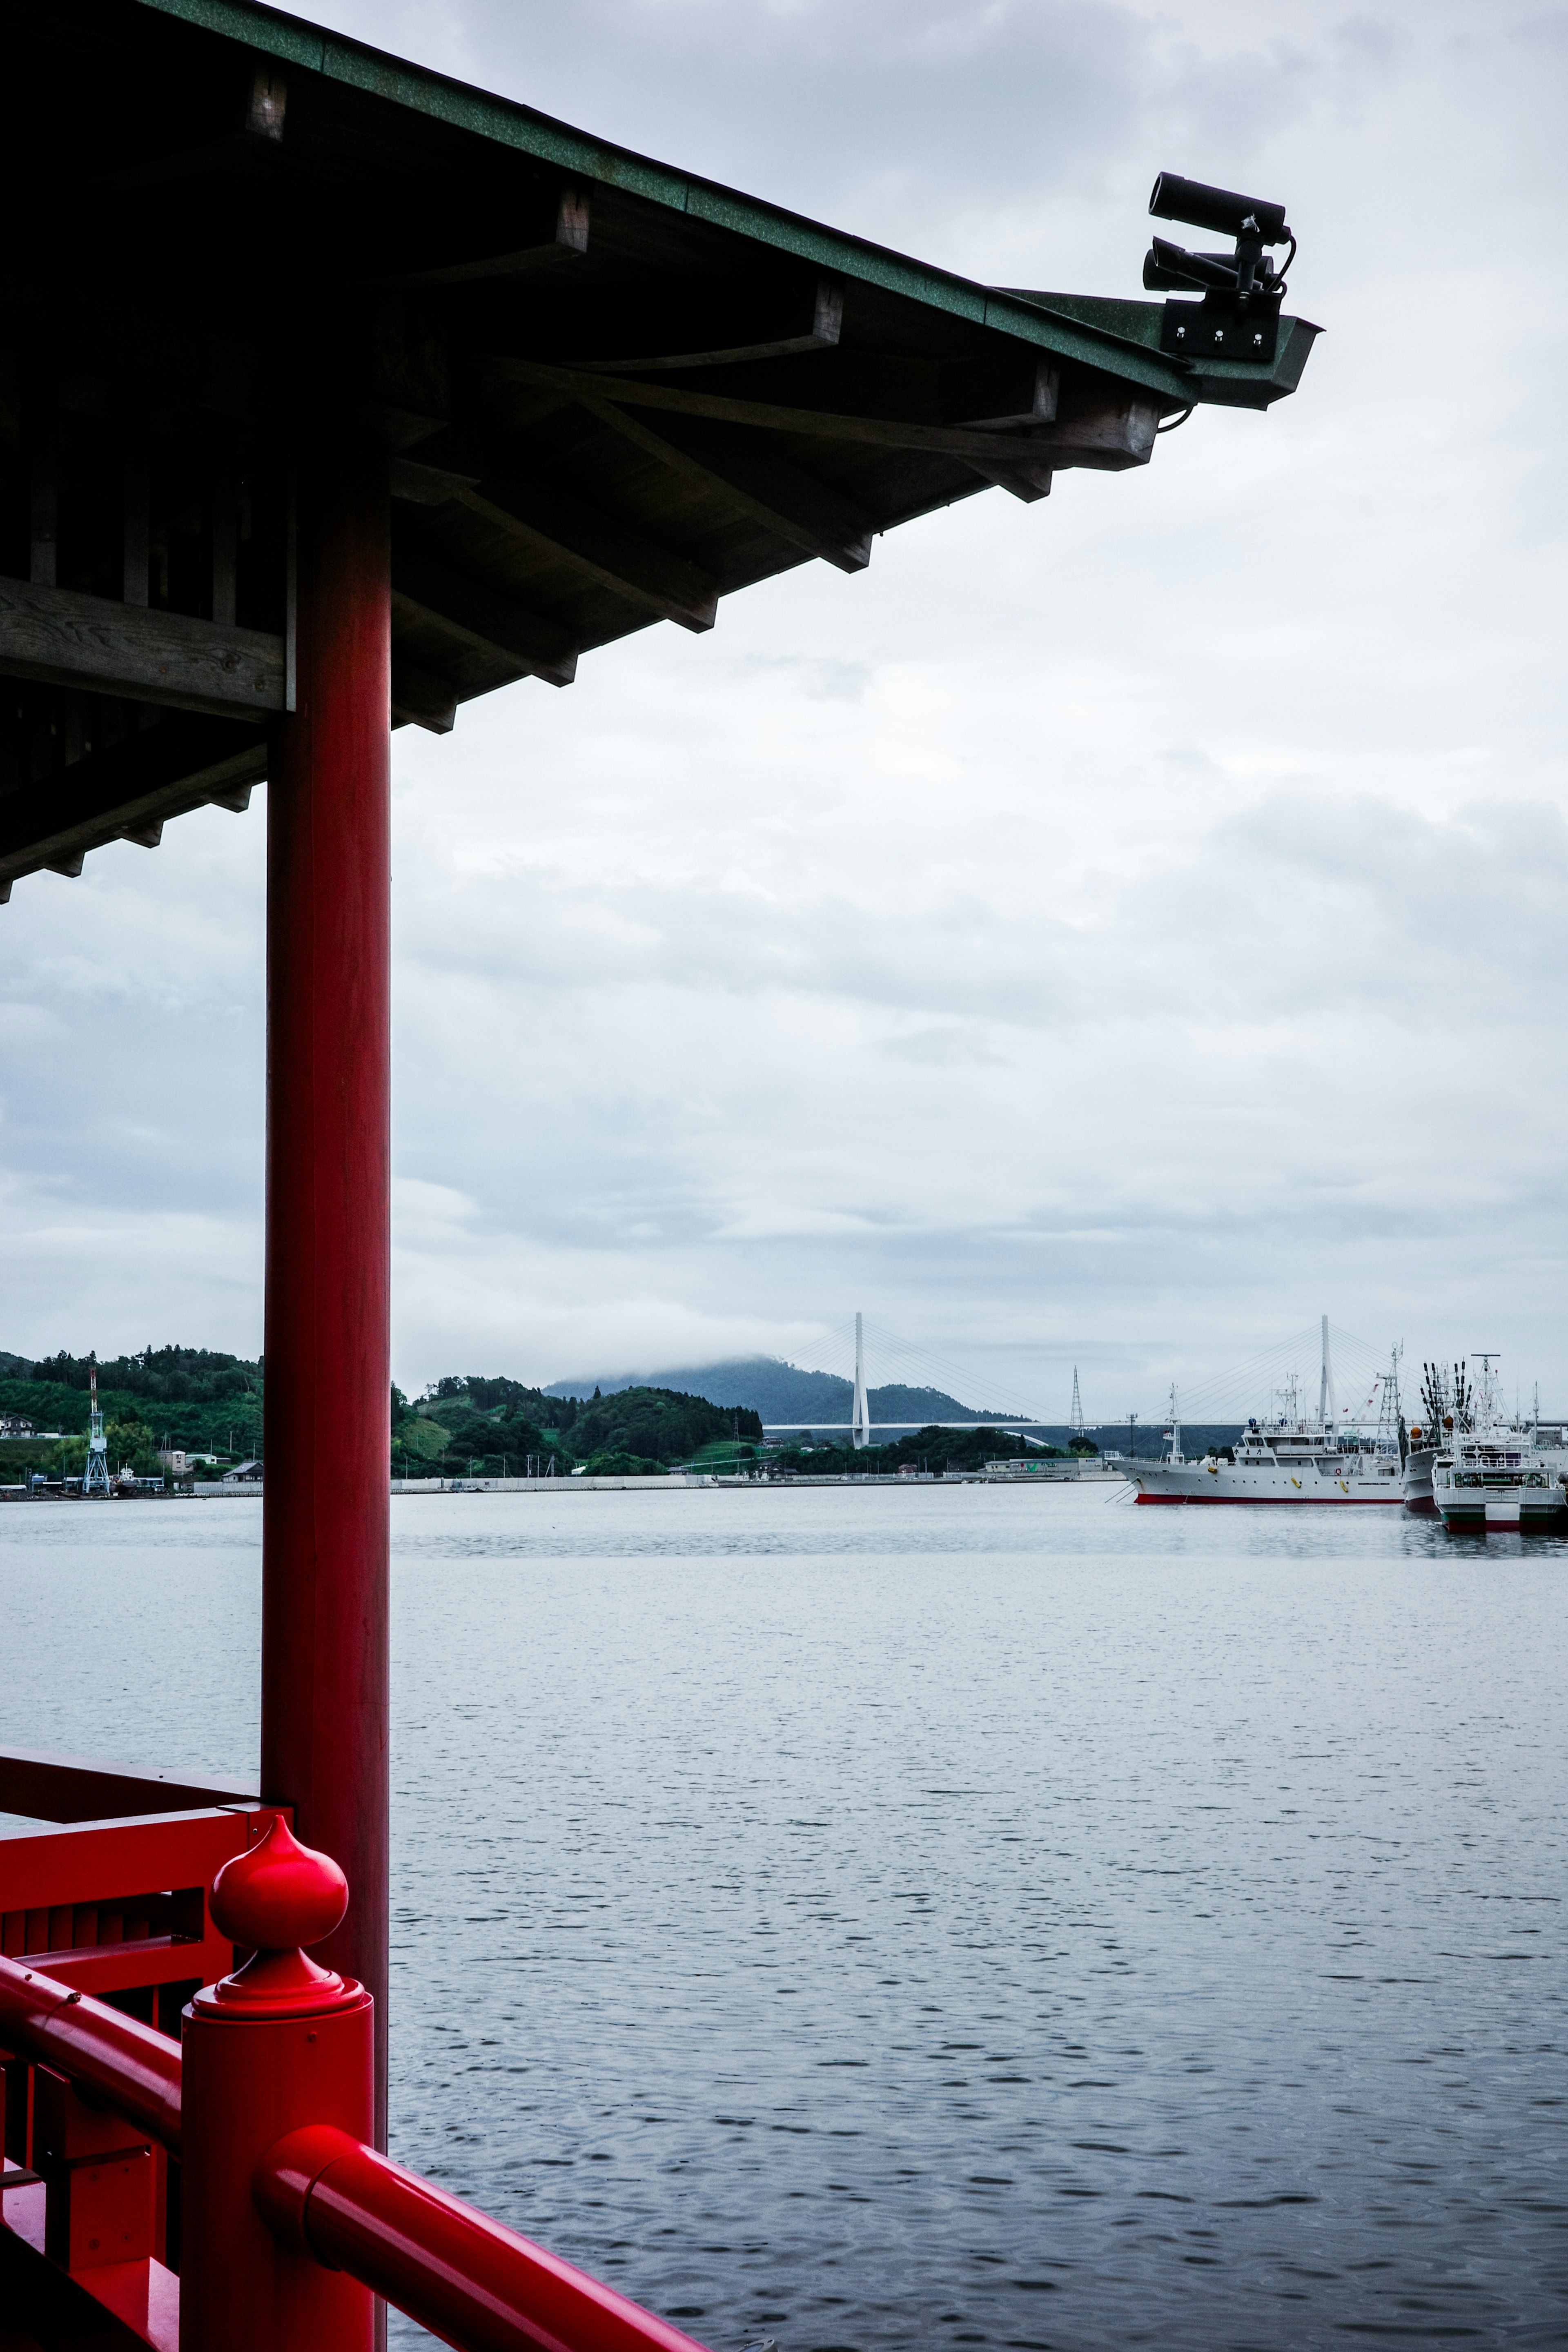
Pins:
x: 953, y: 1916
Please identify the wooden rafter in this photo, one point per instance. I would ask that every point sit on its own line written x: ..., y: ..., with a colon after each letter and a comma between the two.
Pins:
x: 755, y: 481
x: 430, y: 590
x: 1119, y: 434
x: 420, y: 697
x: 535, y: 510
x: 821, y: 335
x: 128, y: 791
x: 571, y: 238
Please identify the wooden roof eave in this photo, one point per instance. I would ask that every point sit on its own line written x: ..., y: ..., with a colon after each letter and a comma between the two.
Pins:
x: 1081, y: 338
x: 743, y: 417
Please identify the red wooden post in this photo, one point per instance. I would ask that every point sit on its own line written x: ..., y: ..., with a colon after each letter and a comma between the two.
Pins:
x: 324, y: 1602
x: 280, y: 2043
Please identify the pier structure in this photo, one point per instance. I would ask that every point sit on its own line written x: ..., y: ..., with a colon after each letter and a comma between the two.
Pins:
x: 344, y: 392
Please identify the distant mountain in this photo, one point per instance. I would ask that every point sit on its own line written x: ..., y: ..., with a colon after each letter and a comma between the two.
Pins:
x: 784, y: 1392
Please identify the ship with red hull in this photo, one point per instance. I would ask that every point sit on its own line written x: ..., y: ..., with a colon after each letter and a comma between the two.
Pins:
x: 1288, y: 1456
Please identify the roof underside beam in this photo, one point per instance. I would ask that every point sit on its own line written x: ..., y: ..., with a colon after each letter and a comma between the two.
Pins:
x: 427, y: 591
x: 1106, y: 434
x: 60, y: 638
x: 535, y: 510
x: 754, y: 481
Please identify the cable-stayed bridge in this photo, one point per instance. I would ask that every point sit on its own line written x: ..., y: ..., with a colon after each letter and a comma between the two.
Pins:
x: 895, y: 1385
x: 920, y: 1395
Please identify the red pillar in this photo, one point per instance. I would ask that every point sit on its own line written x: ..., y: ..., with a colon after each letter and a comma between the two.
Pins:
x: 324, y: 1572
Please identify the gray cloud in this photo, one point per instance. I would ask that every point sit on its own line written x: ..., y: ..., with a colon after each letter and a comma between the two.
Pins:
x: 1109, y: 932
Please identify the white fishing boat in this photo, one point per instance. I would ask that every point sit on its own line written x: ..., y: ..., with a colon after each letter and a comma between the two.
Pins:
x: 1491, y: 1476
x: 1416, y: 1484
x: 1285, y: 1455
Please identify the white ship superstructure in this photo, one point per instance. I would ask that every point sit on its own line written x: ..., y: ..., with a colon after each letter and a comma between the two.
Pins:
x: 1287, y: 1456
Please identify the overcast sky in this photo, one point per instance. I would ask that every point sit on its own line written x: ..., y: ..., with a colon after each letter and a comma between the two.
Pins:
x: 1111, y: 931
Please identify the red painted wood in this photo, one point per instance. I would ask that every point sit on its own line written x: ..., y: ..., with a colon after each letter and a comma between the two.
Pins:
x: 454, y: 2270
x: 251, y: 2079
x: 137, y: 2069
x: 99, y: 1861
x: 123, y: 1967
x: 324, y: 1605
x: 48, y: 1788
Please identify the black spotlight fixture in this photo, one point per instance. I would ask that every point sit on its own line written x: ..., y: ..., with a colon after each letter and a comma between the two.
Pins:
x: 1238, y: 317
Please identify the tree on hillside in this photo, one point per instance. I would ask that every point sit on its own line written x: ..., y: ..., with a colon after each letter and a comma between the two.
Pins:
x: 170, y: 1375
x: 131, y: 1444
x: 933, y: 1448
x: 658, y: 1424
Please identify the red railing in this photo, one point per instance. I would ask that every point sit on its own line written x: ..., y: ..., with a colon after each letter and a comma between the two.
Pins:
x: 454, y: 2270
x: 114, y: 1898
x: 292, y: 2223
x: 136, y: 2070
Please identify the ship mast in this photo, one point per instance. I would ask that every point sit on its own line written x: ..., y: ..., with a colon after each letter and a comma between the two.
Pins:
x: 1485, y: 1402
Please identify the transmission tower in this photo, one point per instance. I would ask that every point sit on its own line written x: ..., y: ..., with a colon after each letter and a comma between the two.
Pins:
x: 1077, y: 1419
x: 95, y: 1471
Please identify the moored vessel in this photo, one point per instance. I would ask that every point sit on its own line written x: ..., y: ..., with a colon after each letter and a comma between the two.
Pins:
x: 1287, y: 1456
x: 1490, y: 1476
x: 1416, y: 1483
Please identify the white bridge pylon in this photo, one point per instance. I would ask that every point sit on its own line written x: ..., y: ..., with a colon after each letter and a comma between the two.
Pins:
x: 923, y: 1371
x: 860, y: 1425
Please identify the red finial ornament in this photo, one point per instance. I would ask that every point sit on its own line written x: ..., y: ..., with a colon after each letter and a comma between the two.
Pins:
x: 275, y: 1897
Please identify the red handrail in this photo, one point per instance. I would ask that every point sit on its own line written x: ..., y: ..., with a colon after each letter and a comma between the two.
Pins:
x: 460, y: 2274
x: 322, y: 2192
x: 134, y: 2068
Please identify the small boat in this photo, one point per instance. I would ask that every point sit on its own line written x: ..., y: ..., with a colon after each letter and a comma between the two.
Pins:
x: 1492, y: 1478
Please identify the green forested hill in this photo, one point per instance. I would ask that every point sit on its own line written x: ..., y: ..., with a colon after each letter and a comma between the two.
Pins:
x: 466, y: 1424
x: 197, y: 1398
x: 472, y: 1425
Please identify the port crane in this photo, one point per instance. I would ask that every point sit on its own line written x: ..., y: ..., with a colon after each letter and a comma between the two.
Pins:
x: 95, y: 1470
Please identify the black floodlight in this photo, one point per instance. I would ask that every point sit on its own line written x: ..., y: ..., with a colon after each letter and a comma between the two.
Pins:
x: 1238, y: 317
x: 1229, y: 215
x: 1167, y: 269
